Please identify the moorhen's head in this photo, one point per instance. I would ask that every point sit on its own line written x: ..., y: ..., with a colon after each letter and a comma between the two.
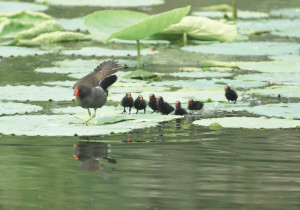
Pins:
x: 177, y: 104
x: 128, y: 95
x: 140, y: 97
x: 190, y: 101
x: 227, y: 88
x: 160, y: 99
x: 82, y: 91
x: 151, y: 96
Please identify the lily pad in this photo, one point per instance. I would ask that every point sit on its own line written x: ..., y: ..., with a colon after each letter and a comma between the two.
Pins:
x: 44, y: 27
x: 53, y: 37
x: 63, y: 125
x: 61, y: 83
x: 246, y: 48
x: 271, y: 66
x: 250, y: 122
x: 278, y: 27
x: 204, y: 29
x: 103, y: 3
x: 290, y: 110
x: 203, y: 74
x: 134, y: 25
x: 35, y: 93
x: 141, y: 74
x: 271, y: 78
x: 100, y: 52
x: 20, y: 108
x: 8, y: 51
x: 241, y: 14
x: 274, y: 91
x: 286, y: 13
x: 7, y: 6
x: 26, y: 16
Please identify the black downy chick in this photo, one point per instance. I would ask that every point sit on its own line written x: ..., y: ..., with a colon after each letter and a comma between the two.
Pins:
x: 179, y: 110
x: 127, y: 101
x: 152, y: 102
x: 164, y: 107
x: 140, y: 104
x: 195, y: 105
x: 94, y: 97
x: 230, y: 94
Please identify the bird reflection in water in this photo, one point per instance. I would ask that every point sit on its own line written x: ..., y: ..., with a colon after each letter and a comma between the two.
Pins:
x: 90, y: 154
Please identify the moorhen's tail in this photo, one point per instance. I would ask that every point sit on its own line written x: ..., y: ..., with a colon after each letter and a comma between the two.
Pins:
x: 106, y: 68
x: 108, y: 81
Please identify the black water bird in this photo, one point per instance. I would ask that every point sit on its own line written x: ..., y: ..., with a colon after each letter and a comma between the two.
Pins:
x: 164, y: 107
x: 195, y: 105
x: 127, y: 101
x: 179, y: 110
x: 140, y: 104
x: 230, y: 94
x: 152, y: 102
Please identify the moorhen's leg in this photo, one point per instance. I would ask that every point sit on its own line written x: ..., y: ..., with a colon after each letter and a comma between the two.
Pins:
x: 137, y: 111
x: 124, y: 111
x: 93, y: 116
x: 130, y: 110
x: 89, y: 112
x: 144, y: 111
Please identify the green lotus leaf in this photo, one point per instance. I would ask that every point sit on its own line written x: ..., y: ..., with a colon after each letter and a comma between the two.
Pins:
x: 288, y: 110
x: 241, y: 14
x: 246, y: 48
x: 53, y: 37
x: 250, y: 122
x: 44, y: 27
x: 271, y: 66
x: 26, y: 16
x: 8, y: 51
x: 204, y: 29
x: 103, y: 3
x: 35, y: 93
x: 20, y: 108
x: 106, y: 24
x: 10, y: 28
x: 141, y: 74
x: 274, y: 91
x: 286, y: 13
x: 67, y: 125
x: 17, y: 6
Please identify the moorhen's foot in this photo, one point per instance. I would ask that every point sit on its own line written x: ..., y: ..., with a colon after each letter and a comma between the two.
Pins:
x: 90, y: 119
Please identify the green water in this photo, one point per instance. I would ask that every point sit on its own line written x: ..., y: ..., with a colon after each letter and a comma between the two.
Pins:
x: 173, y: 166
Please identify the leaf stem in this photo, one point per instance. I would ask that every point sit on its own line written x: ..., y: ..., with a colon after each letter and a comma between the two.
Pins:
x: 138, y: 54
x: 234, y: 11
x: 184, y: 38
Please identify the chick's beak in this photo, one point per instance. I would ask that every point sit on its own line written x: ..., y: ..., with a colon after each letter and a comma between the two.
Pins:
x: 158, y: 99
x: 176, y: 104
x: 76, y: 93
x: 225, y: 89
x: 141, y: 98
x: 129, y: 96
x: 150, y: 97
x: 189, y: 102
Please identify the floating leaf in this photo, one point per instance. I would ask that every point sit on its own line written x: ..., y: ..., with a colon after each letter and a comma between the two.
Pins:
x: 246, y: 48
x: 271, y: 66
x: 26, y: 16
x: 17, y: 6
x: 241, y: 14
x: 141, y: 74
x: 289, y: 110
x: 286, y: 13
x: 52, y: 37
x: 8, y: 51
x: 274, y: 91
x: 106, y: 24
x: 215, y: 126
x: 44, y: 27
x: 103, y: 3
x: 35, y: 93
x: 20, y: 108
x: 63, y: 125
x: 204, y: 29
x: 203, y: 74
x: 250, y: 122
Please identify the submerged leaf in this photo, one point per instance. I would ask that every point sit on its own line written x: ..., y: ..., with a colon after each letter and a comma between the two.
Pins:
x: 52, y: 37
x: 250, y: 122
x: 141, y: 74
x: 106, y: 24
x: 274, y: 91
x: 204, y: 29
x: 271, y: 66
